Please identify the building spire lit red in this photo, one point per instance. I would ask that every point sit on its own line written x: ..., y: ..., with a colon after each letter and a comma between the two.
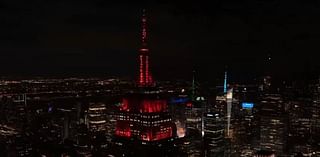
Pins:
x: 143, y: 114
x: 145, y: 77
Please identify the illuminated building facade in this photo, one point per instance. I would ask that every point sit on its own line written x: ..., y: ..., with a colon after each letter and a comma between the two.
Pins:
x: 243, y: 119
x: 299, y: 130
x: 143, y: 115
x: 194, y: 117
x: 97, y: 117
x: 273, y: 122
x: 214, y: 143
x: 194, y: 113
x: 229, y: 107
x: 316, y: 110
x: 315, y: 119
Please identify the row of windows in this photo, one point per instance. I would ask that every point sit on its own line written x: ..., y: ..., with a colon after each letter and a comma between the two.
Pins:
x: 148, y: 116
x: 158, y: 121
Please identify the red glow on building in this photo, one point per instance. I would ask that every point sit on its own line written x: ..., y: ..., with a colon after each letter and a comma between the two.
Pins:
x: 143, y: 115
x: 143, y: 105
x: 141, y: 71
x: 123, y: 129
x: 145, y: 78
x: 147, y: 70
x: 125, y: 105
x: 151, y: 135
x: 150, y: 106
x: 189, y: 104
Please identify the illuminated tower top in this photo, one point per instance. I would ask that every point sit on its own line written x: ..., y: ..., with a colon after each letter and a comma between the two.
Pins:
x: 145, y: 77
x: 193, y: 86
x: 225, y: 82
x: 144, y: 29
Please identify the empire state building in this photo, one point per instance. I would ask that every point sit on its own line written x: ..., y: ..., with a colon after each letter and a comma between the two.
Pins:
x: 143, y: 116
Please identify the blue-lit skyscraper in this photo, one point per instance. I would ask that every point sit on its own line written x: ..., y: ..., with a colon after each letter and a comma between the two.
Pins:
x: 225, y: 82
x: 229, y: 98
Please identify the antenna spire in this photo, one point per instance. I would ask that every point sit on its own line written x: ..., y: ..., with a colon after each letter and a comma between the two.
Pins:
x: 225, y: 82
x: 193, y: 85
x: 145, y: 77
x: 144, y: 29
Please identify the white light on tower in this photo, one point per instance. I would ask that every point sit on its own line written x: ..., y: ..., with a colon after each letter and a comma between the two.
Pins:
x: 229, y: 105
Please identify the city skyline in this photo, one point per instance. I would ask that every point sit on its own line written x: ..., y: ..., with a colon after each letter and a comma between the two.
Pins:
x: 161, y: 79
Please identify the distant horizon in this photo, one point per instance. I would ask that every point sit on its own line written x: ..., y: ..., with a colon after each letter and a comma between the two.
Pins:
x: 201, y: 78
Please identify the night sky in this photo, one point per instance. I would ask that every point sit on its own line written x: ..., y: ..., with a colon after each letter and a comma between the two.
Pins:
x: 100, y: 37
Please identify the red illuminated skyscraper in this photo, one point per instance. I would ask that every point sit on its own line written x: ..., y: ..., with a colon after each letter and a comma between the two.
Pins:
x: 143, y: 116
x: 145, y: 77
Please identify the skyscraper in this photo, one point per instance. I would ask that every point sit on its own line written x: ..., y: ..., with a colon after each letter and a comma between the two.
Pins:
x: 225, y: 82
x: 143, y: 118
x: 97, y: 117
x: 273, y: 120
x: 229, y: 106
x: 214, y: 143
x: 315, y: 122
